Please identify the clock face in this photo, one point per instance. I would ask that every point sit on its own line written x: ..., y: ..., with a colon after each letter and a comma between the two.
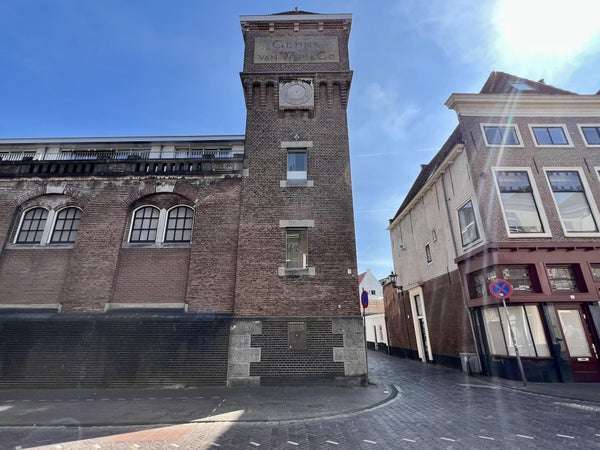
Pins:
x: 296, y: 93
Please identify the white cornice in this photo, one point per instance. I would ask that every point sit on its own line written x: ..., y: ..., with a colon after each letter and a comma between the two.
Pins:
x: 296, y: 18
x: 121, y: 139
x: 527, y: 105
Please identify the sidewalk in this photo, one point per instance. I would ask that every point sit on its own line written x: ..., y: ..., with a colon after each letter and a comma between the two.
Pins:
x: 589, y: 392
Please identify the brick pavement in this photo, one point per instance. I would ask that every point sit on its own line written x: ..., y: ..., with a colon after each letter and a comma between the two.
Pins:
x: 436, y: 408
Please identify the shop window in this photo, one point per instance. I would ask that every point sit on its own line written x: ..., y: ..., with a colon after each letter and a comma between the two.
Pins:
x: 43, y: 226
x: 527, y: 330
x: 563, y: 278
x: 519, y: 202
x: 469, y: 231
x: 571, y: 201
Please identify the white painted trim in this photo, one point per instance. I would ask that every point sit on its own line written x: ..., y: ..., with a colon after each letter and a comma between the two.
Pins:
x: 536, y: 198
x: 308, y: 223
x: 550, y: 125
x: 524, y: 105
x: 32, y: 307
x: 142, y: 306
x: 580, y: 126
x: 295, y: 184
x: 588, y: 197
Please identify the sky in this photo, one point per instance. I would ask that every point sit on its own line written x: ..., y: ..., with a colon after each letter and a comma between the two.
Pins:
x: 72, y: 68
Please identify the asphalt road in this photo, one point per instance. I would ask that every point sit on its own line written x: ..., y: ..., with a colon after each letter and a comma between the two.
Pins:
x: 434, y: 408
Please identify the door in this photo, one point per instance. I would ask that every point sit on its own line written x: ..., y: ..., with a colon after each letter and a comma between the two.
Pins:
x: 583, y: 354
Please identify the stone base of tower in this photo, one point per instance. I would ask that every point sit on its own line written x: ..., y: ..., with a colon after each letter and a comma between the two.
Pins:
x: 298, y: 350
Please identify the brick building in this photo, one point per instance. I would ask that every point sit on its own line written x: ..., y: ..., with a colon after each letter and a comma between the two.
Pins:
x: 512, y: 195
x: 193, y: 259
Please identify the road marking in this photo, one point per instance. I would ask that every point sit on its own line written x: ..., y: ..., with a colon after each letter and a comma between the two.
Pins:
x: 488, y: 438
x: 332, y: 442
x: 292, y: 443
x: 89, y: 399
x: 198, y: 397
x: 524, y: 436
x: 478, y: 385
x: 214, y: 444
x: 448, y: 439
x: 565, y: 436
x: 175, y: 445
x: 369, y: 442
x: 408, y: 440
x: 104, y: 399
x: 256, y: 444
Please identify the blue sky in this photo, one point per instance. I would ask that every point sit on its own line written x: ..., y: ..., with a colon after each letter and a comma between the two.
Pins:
x: 145, y: 67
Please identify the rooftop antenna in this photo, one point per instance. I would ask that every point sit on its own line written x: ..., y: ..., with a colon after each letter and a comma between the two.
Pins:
x: 295, y: 9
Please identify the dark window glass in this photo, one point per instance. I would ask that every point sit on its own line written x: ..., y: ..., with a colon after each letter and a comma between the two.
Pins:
x: 145, y: 224
x: 428, y: 253
x: 501, y: 135
x: 179, y: 224
x: 562, y: 278
x: 518, y: 277
x: 550, y: 136
x: 66, y: 226
x: 32, y: 226
x: 596, y: 272
x: 592, y: 135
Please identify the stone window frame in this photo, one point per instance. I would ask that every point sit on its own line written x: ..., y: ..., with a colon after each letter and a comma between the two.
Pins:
x: 284, y: 271
x: 49, y: 227
x: 514, y: 126
x: 296, y: 146
x: 562, y: 126
x: 162, y: 226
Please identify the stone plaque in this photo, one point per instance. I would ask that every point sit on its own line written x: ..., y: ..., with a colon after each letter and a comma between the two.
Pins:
x: 296, y: 49
x: 297, y: 335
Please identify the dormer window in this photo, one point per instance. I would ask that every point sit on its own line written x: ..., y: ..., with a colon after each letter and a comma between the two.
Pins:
x: 521, y: 86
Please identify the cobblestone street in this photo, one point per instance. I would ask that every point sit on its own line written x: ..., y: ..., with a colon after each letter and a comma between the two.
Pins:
x: 434, y: 407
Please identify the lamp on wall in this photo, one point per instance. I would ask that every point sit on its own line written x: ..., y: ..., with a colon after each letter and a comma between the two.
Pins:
x: 393, y: 277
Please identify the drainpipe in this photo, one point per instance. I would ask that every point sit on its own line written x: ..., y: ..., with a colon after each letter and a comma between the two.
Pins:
x: 462, y: 287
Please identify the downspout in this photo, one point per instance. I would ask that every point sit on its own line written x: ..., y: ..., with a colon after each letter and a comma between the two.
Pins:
x: 462, y: 287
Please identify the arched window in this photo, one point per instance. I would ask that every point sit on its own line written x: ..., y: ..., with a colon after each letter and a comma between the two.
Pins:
x: 179, y: 224
x: 66, y: 226
x: 145, y: 224
x: 32, y: 226
x: 48, y: 226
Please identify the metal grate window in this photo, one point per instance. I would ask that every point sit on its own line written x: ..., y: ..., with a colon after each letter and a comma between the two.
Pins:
x: 145, y: 225
x: 32, y: 226
x: 179, y: 224
x: 66, y: 226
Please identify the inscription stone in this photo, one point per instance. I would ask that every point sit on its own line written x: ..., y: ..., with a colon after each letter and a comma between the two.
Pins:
x: 296, y: 49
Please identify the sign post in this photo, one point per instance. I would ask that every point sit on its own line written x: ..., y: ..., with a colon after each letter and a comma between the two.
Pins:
x: 502, y: 290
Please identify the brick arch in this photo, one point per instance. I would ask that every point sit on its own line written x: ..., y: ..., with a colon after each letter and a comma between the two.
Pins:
x: 161, y: 200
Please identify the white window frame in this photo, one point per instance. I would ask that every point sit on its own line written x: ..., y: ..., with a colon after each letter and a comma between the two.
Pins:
x: 507, y: 125
x: 581, y: 126
x: 536, y: 198
x: 588, y: 197
x: 161, y: 228
x: 476, y: 217
x: 550, y: 125
x: 292, y: 146
x: 48, y: 228
x: 423, y: 348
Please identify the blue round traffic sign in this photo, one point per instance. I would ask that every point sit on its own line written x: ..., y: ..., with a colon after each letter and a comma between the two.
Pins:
x: 501, y: 289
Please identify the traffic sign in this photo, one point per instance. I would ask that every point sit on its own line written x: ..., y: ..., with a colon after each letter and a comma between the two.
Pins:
x: 364, y: 298
x: 501, y: 289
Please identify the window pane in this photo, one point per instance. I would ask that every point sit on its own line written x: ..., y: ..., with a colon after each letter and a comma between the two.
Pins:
x: 498, y: 135
x: 520, y: 210
x: 520, y: 328
x: 596, y: 272
x: 179, y: 224
x: 66, y: 226
x: 574, y: 333
x: 542, y: 136
x: 571, y: 201
x: 493, y: 331
x: 518, y: 278
x: 550, y: 136
x: 296, y: 165
x: 145, y: 224
x: 537, y: 331
x: 468, y: 226
x: 296, y: 248
x: 428, y: 253
x: 562, y: 278
x: 32, y: 226
x: 482, y: 279
x: 592, y: 135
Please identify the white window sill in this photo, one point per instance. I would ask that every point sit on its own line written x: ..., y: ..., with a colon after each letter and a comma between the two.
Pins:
x: 40, y: 246
x: 296, y: 183
x: 155, y: 245
x: 285, y: 272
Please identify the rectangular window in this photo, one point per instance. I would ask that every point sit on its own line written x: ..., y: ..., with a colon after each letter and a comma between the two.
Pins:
x: 428, y: 253
x: 523, y: 278
x: 550, y: 135
x: 501, y: 135
x: 468, y: 225
x: 296, y: 165
x: 518, y: 202
x: 519, y: 277
x: 562, y: 278
x: 591, y: 135
x: 571, y: 201
x: 596, y: 272
x: 527, y: 329
x: 481, y: 280
x: 296, y: 244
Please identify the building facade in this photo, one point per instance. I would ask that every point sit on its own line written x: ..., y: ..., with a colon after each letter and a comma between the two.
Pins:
x: 512, y: 195
x: 374, y: 317
x: 193, y: 260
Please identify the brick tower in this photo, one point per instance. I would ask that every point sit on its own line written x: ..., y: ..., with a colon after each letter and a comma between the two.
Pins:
x: 296, y: 313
